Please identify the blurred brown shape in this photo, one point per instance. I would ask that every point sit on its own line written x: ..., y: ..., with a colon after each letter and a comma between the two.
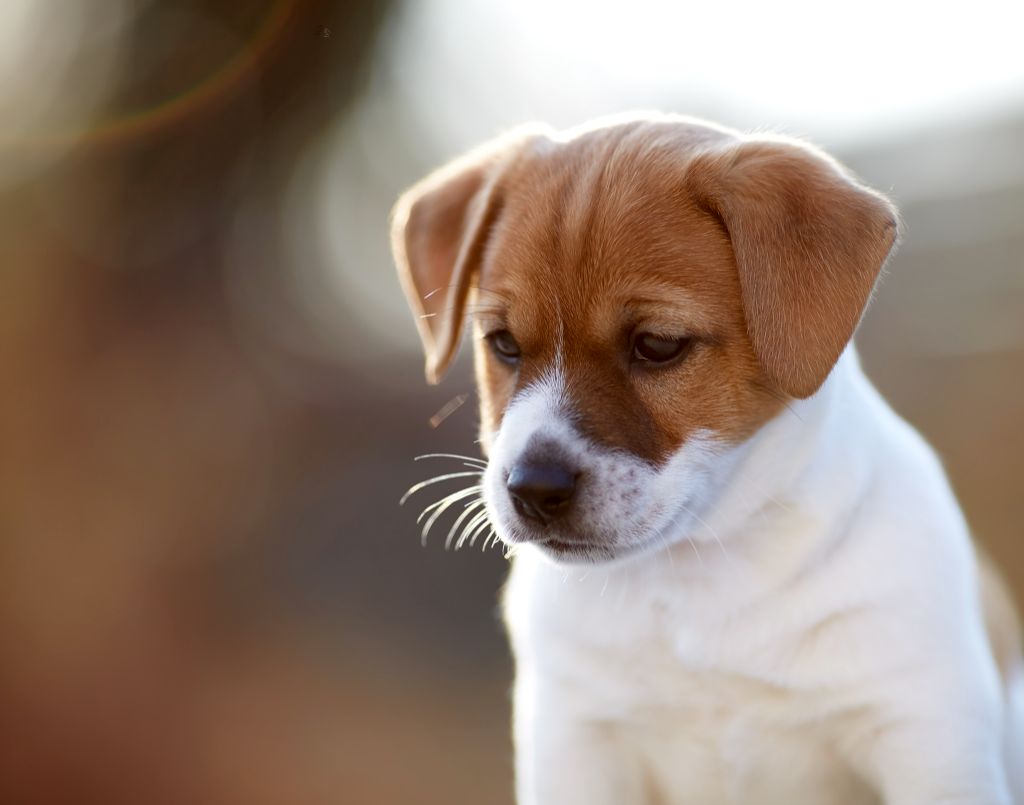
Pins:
x: 147, y: 461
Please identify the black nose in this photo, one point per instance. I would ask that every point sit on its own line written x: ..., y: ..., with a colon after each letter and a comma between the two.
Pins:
x: 541, y: 490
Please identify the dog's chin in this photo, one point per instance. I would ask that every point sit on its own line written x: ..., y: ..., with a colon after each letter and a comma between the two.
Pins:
x: 578, y: 550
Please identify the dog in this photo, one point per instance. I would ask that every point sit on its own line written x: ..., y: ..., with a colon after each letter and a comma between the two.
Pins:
x: 738, y: 576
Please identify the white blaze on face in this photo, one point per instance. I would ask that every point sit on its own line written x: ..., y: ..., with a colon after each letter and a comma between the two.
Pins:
x: 622, y: 504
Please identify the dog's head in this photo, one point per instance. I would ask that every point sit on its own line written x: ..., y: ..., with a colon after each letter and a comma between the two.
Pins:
x: 644, y: 296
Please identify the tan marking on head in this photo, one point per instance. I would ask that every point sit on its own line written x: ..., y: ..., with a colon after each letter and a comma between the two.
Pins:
x: 763, y: 252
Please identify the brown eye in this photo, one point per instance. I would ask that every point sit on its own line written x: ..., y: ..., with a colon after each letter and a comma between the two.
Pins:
x: 650, y: 348
x: 504, y: 346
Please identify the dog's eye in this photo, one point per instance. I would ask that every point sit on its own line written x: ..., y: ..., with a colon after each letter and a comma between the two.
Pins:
x: 504, y: 346
x: 650, y: 348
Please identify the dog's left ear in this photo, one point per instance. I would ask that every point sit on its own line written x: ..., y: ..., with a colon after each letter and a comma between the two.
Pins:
x: 809, y: 242
x: 438, y: 231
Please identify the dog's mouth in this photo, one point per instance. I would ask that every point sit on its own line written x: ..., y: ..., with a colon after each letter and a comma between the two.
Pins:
x: 567, y: 543
x: 560, y: 546
x: 579, y: 551
x: 583, y: 548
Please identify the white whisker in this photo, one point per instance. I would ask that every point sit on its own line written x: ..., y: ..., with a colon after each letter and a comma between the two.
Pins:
x: 470, y: 526
x: 478, y: 531
x: 470, y: 509
x: 443, y: 505
x: 696, y: 550
x: 474, y: 461
x: 448, y: 499
x: 493, y: 540
x: 435, y: 480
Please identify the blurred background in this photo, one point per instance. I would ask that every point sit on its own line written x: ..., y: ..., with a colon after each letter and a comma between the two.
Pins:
x: 211, y: 393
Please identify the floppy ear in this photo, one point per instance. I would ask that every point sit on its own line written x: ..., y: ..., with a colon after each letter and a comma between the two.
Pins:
x: 809, y: 242
x: 438, y: 232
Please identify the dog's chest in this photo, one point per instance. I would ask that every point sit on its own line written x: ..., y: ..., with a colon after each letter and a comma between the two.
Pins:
x: 705, y: 706
x: 708, y: 729
x: 730, y: 739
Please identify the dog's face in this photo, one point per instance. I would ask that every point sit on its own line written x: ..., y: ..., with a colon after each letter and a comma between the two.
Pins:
x: 644, y: 296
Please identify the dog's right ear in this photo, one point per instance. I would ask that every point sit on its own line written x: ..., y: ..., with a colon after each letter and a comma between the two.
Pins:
x: 438, y: 232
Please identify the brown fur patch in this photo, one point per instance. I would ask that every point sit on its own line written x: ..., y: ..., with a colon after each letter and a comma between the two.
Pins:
x: 762, y: 251
x: 600, y: 241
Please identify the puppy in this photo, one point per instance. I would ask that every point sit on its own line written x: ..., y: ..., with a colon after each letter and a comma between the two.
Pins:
x: 738, y: 576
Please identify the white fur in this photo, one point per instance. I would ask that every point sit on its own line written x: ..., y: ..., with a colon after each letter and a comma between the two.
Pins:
x: 795, y: 621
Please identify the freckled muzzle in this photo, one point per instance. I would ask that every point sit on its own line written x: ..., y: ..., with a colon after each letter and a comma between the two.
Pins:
x: 562, y: 494
x: 549, y: 486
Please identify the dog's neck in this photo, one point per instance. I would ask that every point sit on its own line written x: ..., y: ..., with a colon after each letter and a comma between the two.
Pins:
x: 781, y: 488
x: 809, y: 455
